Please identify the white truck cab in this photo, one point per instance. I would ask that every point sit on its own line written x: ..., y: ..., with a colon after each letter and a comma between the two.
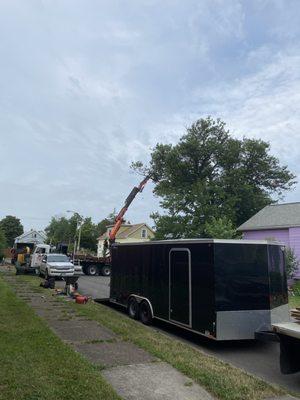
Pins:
x: 38, y: 254
x: 47, y: 263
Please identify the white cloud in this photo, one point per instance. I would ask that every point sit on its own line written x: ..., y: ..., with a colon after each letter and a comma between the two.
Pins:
x: 87, y: 87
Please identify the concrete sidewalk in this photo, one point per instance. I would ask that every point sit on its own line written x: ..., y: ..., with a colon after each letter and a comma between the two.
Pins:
x: 133, y: 373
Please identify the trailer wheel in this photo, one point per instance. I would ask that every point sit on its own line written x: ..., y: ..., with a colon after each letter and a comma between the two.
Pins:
x: 133, y: 308
x: 92, y: 270
x: 105, y: 270
x: 145, y: 313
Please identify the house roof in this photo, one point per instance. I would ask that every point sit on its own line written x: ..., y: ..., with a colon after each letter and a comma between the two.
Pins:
x: 33, y: 236
x: 125, y: 233
x: 275, y: 216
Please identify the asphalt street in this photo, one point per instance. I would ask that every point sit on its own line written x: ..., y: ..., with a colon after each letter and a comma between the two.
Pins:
x: 261, y: 359
x: 94, y: 286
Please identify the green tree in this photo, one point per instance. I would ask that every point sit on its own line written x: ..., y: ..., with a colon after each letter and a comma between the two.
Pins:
x: 89, y: 235
x: 12, y: 227
x: 109, y: 220
x: 208, y: 173
x: 3, y: 243
x: 66, y: 230
x: 291, y: 262
x: 220, y: 228
x: 61, y: 230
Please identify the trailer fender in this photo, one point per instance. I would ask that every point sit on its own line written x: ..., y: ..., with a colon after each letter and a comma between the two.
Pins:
x: 139, y: 299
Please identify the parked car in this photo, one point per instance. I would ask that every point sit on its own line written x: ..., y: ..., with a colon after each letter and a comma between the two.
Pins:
x: 56, y: 265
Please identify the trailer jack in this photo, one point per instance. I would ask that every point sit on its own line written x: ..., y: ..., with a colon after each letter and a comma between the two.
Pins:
x: 289, y: 354
x: 289, y: 350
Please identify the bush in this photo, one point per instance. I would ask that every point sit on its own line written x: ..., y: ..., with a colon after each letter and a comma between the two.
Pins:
x: 220, y: 228
x: 291, y: 262
x: 2, y: 244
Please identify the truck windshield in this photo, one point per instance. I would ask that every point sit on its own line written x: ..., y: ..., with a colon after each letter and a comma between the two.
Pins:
x: 58, y: 258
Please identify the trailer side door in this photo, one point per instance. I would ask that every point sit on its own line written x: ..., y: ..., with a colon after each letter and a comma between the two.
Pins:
x: 180, y: 291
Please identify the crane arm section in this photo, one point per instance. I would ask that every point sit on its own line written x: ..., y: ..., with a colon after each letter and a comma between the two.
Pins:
x: 128, y: 201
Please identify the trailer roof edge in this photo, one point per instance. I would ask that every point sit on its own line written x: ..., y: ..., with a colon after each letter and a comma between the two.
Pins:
x: 191, y: 241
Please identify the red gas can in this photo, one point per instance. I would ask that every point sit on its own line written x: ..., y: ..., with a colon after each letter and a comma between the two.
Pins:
x: 81, y: 299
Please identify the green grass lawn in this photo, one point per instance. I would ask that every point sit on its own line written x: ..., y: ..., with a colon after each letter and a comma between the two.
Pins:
x: 221, y: 379
x: 35, y: 364
x: 294, y: 301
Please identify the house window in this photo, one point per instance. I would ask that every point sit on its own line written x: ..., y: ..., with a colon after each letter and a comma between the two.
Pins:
x: 144, y: 234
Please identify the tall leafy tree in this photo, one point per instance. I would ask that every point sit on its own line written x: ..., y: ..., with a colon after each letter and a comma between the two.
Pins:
x: 66, y: 230
x: 61, y: 230
x: 109, y: 220
x: 89, y: 235
x: 12, y: 227
x: 3, y: 243
x: 209, y: 173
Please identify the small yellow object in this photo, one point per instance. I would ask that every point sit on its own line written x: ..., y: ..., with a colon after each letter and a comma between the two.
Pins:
x: 21, y: 258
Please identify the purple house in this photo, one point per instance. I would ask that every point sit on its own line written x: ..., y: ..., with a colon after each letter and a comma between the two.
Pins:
x: 279, y: 221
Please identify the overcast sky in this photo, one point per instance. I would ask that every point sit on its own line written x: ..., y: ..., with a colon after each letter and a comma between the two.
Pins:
x: 86, y: 87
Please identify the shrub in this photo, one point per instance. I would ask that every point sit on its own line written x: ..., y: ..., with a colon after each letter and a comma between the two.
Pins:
x: 291, y: 262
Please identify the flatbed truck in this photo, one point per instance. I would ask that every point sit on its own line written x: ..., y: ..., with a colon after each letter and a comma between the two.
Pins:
x: 92, y: 265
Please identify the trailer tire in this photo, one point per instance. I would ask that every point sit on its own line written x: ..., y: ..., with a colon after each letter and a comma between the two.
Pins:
x: 92, y: 270
x: 145, y: 313
x: 133, y: 308
x: 105, y: 270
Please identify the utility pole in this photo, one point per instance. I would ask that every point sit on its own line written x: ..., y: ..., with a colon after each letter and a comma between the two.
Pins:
x: 79, y: 235
x: 78, y: 228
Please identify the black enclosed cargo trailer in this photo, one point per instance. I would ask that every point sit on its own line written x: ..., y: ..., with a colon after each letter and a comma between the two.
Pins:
x: 223, y: 289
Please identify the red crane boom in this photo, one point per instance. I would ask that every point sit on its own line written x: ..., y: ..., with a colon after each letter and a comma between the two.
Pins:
x: 119, y: 218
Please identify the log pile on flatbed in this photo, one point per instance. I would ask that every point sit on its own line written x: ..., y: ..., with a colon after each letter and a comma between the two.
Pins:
x: 91, y: 258
x: 295, y: 313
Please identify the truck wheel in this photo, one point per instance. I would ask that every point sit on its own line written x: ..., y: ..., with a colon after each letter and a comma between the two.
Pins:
x: 105, y: 270
x: 84, y: 270
x: 133, y: 308
x: 145, y: 313
x: 92, y: 270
